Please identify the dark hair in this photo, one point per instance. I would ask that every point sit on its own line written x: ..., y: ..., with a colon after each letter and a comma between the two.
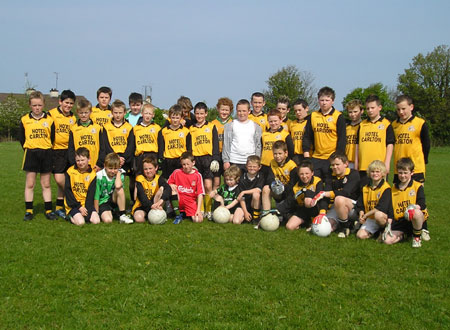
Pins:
x: 135, y: 98
x: 301, y: 102
x: 373, y: 98
x: 83, y: 103
x: 257, y: 94
x: 151, y: 159
x: 280, y: 144
x: 284, y: 100
x: 243, y: 102
x: 402, y: 98
x: 67, y: 94
x: 104, y: 89
x: 327, y: 91
x: 187, y: 155
x: 118, y: 104
x: 338, y: 155
x: 201, y: 106
x: 405, y: 164
x: 82, y: 152
x: 306, y: 163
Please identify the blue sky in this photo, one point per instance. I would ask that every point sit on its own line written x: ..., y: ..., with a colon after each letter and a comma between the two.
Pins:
x: 208, y: 49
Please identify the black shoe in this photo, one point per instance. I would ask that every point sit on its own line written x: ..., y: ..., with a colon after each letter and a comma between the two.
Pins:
x: 51, y: 216
x: 343, y: 232
x: 28, y: 216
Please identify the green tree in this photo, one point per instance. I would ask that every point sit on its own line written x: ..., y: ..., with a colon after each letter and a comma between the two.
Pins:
x: 427, y: 81
x: 377, y: 89
x: 293, y: 83
x: 11, y: 110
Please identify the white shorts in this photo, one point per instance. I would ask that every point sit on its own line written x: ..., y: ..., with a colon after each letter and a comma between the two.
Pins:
x: 370, y: 226
x: 331, y: 214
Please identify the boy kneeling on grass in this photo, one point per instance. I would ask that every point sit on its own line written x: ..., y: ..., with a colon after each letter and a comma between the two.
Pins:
x: 109, y: 191
x: 410, y: 210
x: 79, y: 190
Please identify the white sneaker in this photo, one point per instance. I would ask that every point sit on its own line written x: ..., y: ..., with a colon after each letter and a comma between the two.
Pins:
x: 208, y: 215
x: 425, y: 235
x: 416, y: 242
x: 125, y: 219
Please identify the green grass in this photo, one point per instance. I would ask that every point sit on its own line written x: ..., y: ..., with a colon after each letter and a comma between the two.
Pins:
x: 56, y: 275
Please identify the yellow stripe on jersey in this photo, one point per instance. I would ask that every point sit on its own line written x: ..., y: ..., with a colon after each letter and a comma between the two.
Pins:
x: 174, y: 141
x: 79, y: 184
x: 268, y: 139
x: 372, y: 142
x: 261, y: 120
x: 118, y: 136
x: 352, y: 138
x: 372, y: 196
x: 308, y: 186
x: 283, y: 172
x: 37, y: 132
x: 100, y: 117
x: 146, y: 138
x: 402, y: 198
x: 408, y: 143
x: 297, y: 129
x: 202, y: 139
x: 63, y: 124
x: 325, y: 133
x: 88, y: 137
x: 220, y: 127
x: 150, y: 188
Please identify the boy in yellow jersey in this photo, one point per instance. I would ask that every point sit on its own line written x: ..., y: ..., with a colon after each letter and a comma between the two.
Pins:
x: 341, y: 191
x: 101, y: 113
x: 278, y: 178
x: 79, y: 190
x: 133, y: 116
x: 86, y: 134
x: 374, y: 205
x: 173, y: 140
x: 298, y: 208
x: 283, y: 107
x: 354, y: 109
x: 64, y: 119
x: 297, y: 128
x: 324, y: 132
x: 410, y: 210
x: 36, y: 135
x: 152, y: 189
x: 205, y: 148
x: 187, y: 117
x: 375, y: 139
x: 258, y: 116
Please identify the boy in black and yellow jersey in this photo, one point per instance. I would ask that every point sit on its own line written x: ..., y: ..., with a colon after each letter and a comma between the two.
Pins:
x: 173, y: 140
x: 283, y: 107
x: 297, y: 128
x: 298, y: 208
x: 86, y: 134
x: 101, y: 113
x: 375, y: 139
x: 278, y: 178
x: 354, y: 110
x: 324, y: 132
x: 134, y: 115
x: 257, y: 115
x: 412, y: 138
x: 205, y: 148
x: 152, y: 189
x: 64, y: 119
x: 410, y: 210
x: 79, y: 190
x: 375, y: 202
x: 341, y: 191
x: 36, y: 135
x: 224, y: 108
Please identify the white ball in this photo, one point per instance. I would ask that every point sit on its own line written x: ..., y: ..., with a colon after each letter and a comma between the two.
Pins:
x: 406, y: 214
x: 221, y: 215
x: 157, y: 217
x: 269, y: 222
x: 322, y: 229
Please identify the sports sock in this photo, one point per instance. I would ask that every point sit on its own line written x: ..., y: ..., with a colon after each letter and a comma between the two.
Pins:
x: 121, y: 213
x: 417, y: 233
x: 48, y: 207
x: 174, y: 198
x: 208, y: 203
x: 59, y: 204
x: 29, y: 207
x: 255, y: 214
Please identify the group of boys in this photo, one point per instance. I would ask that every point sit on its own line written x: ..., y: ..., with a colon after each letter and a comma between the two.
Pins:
x: 313, y: 166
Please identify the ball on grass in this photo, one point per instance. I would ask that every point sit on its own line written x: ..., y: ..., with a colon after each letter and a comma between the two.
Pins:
x: 322, y: 229
x: 269, y: 222
x: 157, y: 217
x: 221, y: 215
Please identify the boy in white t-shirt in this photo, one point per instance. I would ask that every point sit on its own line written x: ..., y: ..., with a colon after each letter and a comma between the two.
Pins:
x: 242, y: 138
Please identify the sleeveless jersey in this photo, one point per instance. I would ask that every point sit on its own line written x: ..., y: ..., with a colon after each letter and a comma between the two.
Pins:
x: 172, y: 143
x: 146, y: 138
x: 412, y: 194
x: 101, y: 117
x: 117, y: 137
x: 150, y: 188
x: 261, y: 120
x: 297, y: 128
x: 220, y: 129
x: 63, y: 124
x: 309, y: 189
x: 350, y: 147
x: 79, y: 185
x: 36, y: 133
x: 283, y: 173
x: 204, y: 140
x: 88, y: 137
x: 267, y: 140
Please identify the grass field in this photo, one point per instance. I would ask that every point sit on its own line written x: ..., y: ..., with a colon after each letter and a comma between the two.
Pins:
x: 57, y: 275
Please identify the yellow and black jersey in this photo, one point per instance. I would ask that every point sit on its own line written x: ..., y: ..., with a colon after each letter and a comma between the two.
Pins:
x: 285, y: 124
x: 308, y: 190
x: 413, y: 193
x: 187, y: 121
x: 376, y: 198
x: 283, y: 172
x: 146, y: 190
x: 145, y: 138
x: 220, y: 127
x: 79, y: 189
x: 352, y: 139
x: 119, y: 139
x: 412, y: 139
x: 347, y: 185
x: 205, y: 140
x: 373, y: 139
x: 101, y: 117
x: 88, y: 136
x: 297, y: 129
x: 173, y: 142
x: 324, y: 133
x: 261, y: 120
x: 63, y: 124
x: 268, y: 138
x: 36, y: 133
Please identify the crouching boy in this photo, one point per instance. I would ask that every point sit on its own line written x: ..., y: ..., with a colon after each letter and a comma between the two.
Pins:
x: 79, y: 190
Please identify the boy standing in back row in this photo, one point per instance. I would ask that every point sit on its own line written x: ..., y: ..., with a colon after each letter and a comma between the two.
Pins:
x: 101, y: 113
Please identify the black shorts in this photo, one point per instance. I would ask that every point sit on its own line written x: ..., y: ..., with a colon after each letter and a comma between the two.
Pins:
x: 266, y: 173
x: 137, y: 162
x: 108, y: 206
x: 203, y: 163
x: 37, y: 160
x: 321, y: 167
x: 76, y: 210
x: 306, y: 213
x: 169, y: 166
x: 60, y: 160
x: 419, y: 177
x: 298, y: 158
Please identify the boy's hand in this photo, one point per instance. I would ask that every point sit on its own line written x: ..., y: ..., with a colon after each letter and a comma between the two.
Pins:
x: 96, y: 168
x: 317, y: 198
x: 83, y: 211
x: 122, y: 161
x: 362, y: 218
x: 214, y: 167
x: 247, y: 216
